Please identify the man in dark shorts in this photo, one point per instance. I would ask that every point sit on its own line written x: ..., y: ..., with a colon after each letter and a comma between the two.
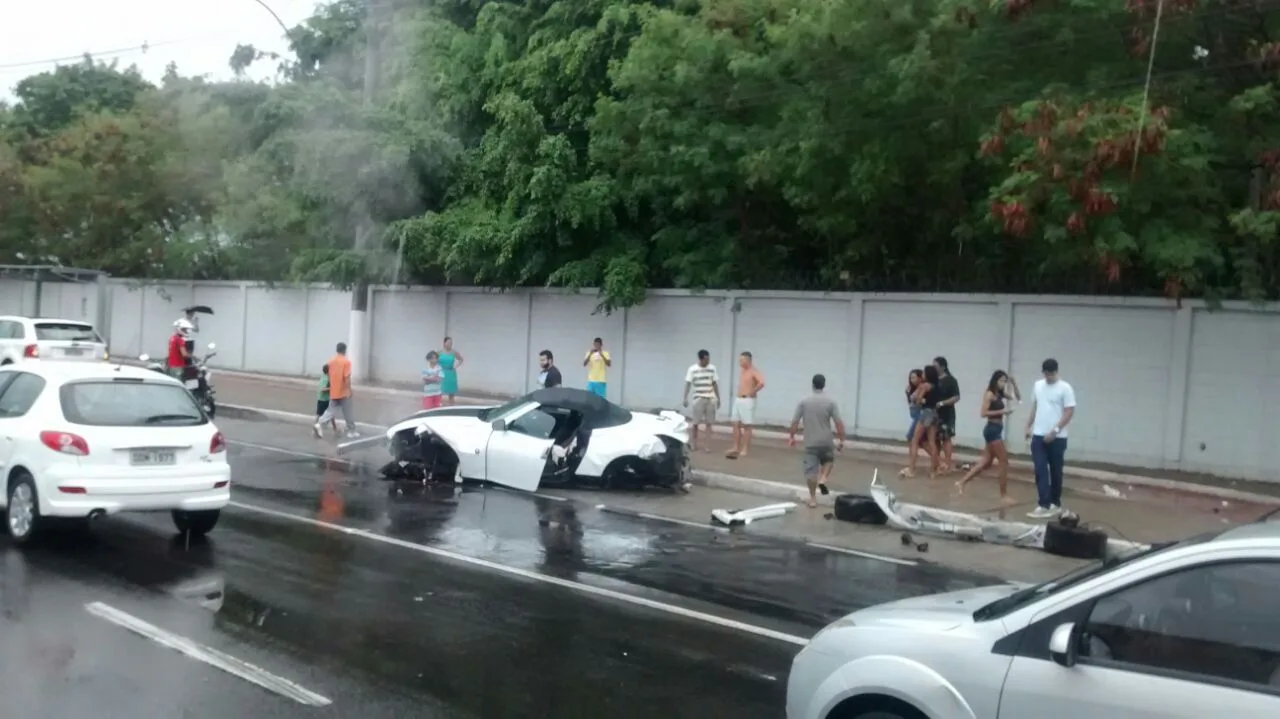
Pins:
x: 818, y: 413
x: 949, y: 390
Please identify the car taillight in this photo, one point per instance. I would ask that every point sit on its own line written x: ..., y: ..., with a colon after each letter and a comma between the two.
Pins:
x: 31, y: 351
x: 65, y: 442
x: 218, y: 443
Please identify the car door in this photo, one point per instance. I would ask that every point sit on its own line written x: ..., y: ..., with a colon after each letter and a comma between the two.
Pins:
x: 18, y: 391
x: 517, y: 453
x: 1191, y: 643
x: 10, y: 341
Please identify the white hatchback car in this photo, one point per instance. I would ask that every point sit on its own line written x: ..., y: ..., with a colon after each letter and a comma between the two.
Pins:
x: 1180, y: 631
x: 82, y: 440
x: 27, y: 338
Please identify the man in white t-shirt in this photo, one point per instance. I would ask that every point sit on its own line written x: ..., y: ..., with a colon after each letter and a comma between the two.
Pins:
x: 1055, y: 405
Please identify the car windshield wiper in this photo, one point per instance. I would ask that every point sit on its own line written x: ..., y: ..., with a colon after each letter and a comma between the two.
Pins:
x: 158, y: 418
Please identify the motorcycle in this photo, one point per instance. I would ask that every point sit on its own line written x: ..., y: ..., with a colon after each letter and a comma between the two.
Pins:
x: 196, y: 377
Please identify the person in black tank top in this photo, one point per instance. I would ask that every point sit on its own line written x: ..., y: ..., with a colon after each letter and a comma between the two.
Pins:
x: 926, y: 435
x: 994, y: 410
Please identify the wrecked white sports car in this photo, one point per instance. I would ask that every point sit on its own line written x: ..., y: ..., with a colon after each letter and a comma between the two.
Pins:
x: 558, y: 436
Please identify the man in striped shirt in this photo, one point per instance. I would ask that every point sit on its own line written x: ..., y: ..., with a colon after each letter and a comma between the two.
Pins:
x: 704, y: 382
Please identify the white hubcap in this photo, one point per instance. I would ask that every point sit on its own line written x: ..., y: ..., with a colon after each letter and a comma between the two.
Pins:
x: 21, y: 511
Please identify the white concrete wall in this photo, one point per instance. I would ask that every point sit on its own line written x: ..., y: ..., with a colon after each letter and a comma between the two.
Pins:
x: 1159, y: 386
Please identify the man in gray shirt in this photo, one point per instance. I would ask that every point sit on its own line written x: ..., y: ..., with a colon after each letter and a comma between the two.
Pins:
x: 818, y: 412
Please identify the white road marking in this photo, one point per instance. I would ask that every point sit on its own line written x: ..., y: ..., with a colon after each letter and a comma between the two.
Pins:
x: 535, y: 576
x: 293, y: 452
x: 208, y: 655
x: 864, y: 555
x: 659, y: 518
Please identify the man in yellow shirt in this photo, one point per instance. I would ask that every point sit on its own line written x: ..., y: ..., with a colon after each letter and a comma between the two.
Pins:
x: 596, y: 362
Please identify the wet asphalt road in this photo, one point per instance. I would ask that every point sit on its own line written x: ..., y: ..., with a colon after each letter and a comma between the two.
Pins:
x: 384, y: 629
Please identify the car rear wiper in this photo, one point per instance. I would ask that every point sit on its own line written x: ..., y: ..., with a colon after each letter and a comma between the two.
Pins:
x: 158, y: 418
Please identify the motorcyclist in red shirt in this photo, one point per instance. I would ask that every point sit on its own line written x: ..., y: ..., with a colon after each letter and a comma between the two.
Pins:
x: 179, y: 354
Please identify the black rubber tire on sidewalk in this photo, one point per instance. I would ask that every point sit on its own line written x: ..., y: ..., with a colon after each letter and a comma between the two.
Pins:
x: 1075, y: 542
x: 860, y: 509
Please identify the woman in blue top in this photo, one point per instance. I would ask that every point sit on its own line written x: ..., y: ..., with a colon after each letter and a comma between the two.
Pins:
x: 450, y: 362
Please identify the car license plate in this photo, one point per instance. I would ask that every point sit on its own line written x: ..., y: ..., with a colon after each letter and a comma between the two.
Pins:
x: 149, y: 458
x: 73, y: 352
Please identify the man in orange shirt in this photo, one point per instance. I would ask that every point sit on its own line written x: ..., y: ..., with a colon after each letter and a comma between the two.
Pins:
x: 339, y: 393
x: 750, y: 382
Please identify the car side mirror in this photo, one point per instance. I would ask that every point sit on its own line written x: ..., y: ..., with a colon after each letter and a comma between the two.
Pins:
x: 143, y: 358
x: 1063, y: 643
x: 212, y: 346
x: 499, y: 425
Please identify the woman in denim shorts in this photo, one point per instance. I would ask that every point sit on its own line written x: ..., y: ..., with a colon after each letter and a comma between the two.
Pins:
x: 993, y: 410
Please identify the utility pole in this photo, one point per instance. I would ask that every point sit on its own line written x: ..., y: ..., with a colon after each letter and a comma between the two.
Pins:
x: 358, y: 324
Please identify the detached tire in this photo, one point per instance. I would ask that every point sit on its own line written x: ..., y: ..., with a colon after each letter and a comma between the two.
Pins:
x: 860, y: 509
x: 1075, y: 542
x: 197, y: 524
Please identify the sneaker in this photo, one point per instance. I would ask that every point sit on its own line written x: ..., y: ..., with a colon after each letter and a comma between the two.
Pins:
x: 1041, y: 513
x: 352, y: 434
x: 1056, y: 509
x: 315, y: 429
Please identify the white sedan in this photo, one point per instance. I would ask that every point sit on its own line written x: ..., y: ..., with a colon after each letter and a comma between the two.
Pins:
x: 1179, y: 631
x: 83, y: 440
x: 558, y: 435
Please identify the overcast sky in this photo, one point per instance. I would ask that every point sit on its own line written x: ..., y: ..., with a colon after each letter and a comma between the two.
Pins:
x: 199, y: 35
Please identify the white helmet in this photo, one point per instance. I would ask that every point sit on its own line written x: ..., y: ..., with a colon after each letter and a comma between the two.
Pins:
x: 183, y: 327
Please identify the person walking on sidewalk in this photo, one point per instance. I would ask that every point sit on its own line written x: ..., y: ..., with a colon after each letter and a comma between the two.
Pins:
x: 322, y: 398
x: 993, y: 410
x: 704, y: 381
x: 1054, y: 406
x: 597, y: 363
x: 339, y: 394
x: 750, y: 382
x: 550, y: 374
x: 926, y: 395
x: 432, y: 378
x: 818, y: 413
x: 450, y: 363
x: 948, y: 397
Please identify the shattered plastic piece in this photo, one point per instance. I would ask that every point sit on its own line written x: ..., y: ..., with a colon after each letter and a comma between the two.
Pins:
x: 739, y: 517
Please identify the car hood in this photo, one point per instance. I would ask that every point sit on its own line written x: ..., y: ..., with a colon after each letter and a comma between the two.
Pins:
x: 441, y: 416
x: 671, y: 424
x: 934, y: 611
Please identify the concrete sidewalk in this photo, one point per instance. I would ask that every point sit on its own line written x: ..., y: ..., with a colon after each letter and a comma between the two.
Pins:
x: 1137, y: 512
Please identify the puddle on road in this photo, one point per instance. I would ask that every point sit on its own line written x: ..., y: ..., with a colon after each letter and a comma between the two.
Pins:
x: 776, y: 579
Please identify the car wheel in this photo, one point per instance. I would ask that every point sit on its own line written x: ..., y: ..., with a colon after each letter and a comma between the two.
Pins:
x: 196, y: 523
x: 22, y: 515
x: 624, y: 473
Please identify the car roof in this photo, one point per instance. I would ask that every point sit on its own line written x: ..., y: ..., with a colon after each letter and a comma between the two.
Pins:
x: 50, y: 320
x: 63, y: 372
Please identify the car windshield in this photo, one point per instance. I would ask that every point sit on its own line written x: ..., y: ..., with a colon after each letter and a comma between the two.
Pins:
x: 66, y: 332
x: 1023, y: 597
x: 129, y: 403
x: 503, y: 409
